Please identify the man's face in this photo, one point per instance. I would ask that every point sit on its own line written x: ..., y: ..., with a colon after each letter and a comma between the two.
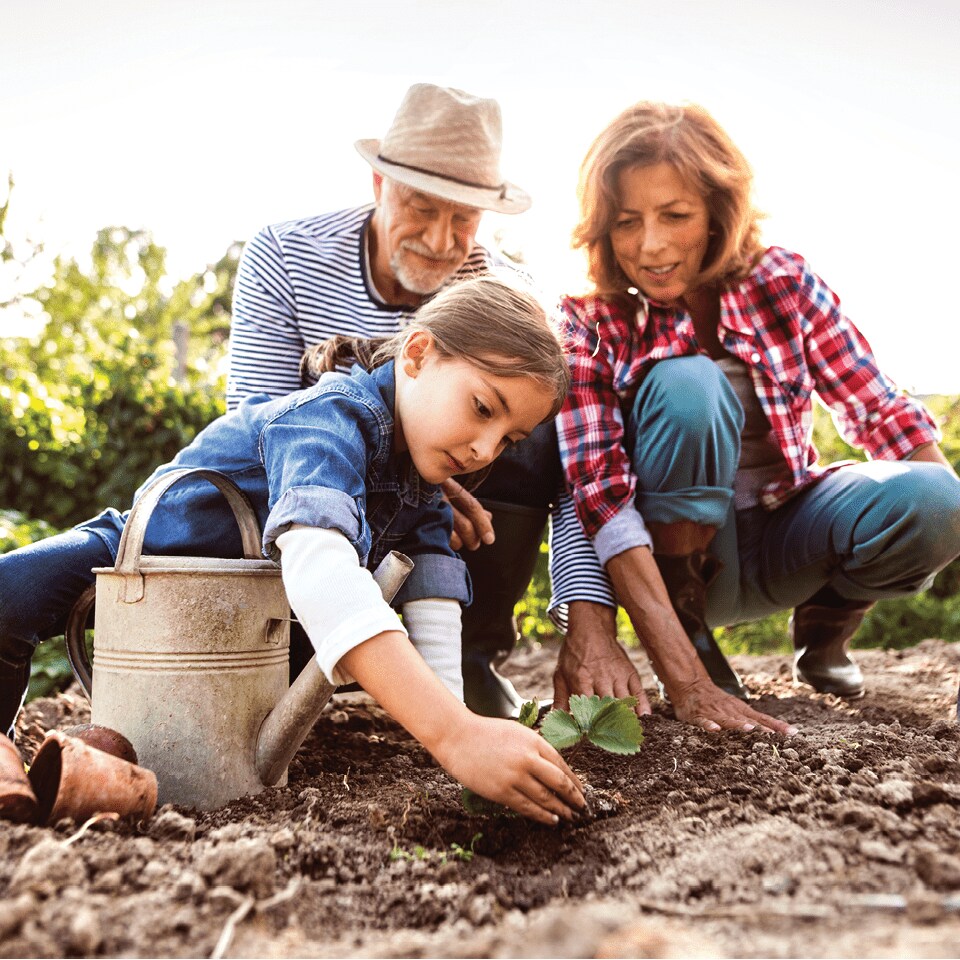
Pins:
x: 422, y: 239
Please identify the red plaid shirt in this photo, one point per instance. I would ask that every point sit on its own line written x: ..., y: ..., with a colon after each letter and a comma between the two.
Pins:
x: 786, y: 324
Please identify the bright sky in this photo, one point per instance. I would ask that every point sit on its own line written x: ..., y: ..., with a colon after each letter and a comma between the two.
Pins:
x: 203, y: 121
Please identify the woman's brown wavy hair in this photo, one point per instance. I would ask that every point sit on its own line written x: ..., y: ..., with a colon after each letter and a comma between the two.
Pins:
x: 699, y: 149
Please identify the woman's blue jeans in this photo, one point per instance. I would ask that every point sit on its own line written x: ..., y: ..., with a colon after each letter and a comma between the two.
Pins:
x: 870, y: 530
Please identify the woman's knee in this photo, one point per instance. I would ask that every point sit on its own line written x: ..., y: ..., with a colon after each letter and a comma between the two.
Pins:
x: 691, y: 394
x: 908, y: 518
x: 931, y: 495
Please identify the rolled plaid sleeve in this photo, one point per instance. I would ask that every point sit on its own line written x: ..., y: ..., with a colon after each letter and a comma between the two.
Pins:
x: 590, y: 430
x: 870, y: 411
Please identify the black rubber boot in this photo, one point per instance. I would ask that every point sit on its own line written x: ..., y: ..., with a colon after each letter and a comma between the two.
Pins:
x: 15, y: 656
x: 821, y: 629
x: 500, y: 573
x: 687, y: 578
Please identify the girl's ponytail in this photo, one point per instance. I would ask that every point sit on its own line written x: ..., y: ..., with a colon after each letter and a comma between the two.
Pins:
x: 340, y: 352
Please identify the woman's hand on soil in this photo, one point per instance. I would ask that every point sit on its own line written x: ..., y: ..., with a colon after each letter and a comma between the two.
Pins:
x: 472, y: 525
x: 705, y: 705
x: 512, y: 765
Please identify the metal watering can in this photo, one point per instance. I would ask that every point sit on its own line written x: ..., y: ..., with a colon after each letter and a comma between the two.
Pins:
x: 191, y: 659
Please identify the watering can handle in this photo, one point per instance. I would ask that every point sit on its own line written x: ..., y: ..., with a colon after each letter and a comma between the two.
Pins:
x: 135, y: 529
x: 75, y: 639
x: 129, y: 552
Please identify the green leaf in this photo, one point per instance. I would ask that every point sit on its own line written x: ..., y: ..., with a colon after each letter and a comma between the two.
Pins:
x: 560, y: 729
x: 616, y: 728
x: 529, y: 712
x: 584, y: 709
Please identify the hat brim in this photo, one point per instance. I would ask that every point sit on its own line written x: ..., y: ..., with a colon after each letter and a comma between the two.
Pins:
x: 506, y: 199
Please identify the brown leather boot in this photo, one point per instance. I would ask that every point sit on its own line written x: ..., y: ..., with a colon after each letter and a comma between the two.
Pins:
x: 821, y: 629
x: 687, y: 578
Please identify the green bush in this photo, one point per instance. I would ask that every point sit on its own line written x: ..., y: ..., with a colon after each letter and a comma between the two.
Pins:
x: 86, y: 441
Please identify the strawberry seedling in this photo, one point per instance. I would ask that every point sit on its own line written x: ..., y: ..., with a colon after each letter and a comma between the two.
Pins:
x: 607, y: 722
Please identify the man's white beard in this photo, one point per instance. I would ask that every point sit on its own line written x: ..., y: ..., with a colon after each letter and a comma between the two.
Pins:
x: 420, y: 281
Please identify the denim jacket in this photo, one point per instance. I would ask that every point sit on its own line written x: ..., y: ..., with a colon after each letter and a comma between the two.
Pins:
x: 321, y: 457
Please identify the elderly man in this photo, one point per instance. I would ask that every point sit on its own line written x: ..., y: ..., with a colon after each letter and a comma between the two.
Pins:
x: 362, y: 272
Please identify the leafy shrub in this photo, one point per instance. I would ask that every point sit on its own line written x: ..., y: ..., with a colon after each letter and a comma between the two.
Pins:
x: 18, y: 530
x: 87, y: 440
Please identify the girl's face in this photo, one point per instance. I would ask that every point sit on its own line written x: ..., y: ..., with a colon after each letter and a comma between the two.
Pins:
x: 455, y: 418
x: 661, y: 233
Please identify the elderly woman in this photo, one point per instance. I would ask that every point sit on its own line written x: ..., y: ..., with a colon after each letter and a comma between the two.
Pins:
x: 686, y: 436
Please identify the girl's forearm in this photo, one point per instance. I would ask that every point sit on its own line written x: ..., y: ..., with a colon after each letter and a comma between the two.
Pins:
x: 389, y: 668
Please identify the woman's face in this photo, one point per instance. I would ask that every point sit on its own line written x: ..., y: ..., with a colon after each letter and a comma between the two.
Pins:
x: 661, y: 232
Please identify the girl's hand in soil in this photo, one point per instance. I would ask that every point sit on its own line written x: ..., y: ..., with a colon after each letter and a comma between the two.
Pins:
x: 704, y: 705
x: 498, y: 759
x: 505, y: 762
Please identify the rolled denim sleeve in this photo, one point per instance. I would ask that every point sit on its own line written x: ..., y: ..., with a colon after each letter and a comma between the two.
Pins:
x: 317, y: 507
x: 438, y: 572
x: 435, y: 576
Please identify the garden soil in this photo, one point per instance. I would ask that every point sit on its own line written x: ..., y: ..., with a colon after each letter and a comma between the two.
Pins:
x: 842, y: 841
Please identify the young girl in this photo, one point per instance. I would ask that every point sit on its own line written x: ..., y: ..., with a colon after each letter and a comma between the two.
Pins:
x: 340, y: 474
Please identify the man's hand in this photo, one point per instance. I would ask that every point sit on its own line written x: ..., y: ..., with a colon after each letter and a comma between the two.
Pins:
x: 706, y: 706
x: 471, y: 523
x: 592, y: 660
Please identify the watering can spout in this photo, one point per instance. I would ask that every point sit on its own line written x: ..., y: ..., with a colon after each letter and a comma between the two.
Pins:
x: 287, y: 725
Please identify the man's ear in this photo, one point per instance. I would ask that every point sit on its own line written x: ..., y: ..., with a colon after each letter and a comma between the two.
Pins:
x: 416, y: 349
x: 377, y: 185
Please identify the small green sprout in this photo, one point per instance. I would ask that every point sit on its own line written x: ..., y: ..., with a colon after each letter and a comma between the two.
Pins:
x: 607, y: 722
x: 465, y: 853
x: 419, y: 852
x: 529, y: 712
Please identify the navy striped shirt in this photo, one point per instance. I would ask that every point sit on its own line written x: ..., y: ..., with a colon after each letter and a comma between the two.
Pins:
x: 304, y: 281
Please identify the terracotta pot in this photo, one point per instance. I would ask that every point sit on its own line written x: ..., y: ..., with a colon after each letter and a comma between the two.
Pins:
x: 17, y: 799
x: 103, y: 738
x: 73, y: 779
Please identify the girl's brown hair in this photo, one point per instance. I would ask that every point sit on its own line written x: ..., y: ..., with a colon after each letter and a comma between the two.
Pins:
x: 485, y: 320
x: 699, y: 149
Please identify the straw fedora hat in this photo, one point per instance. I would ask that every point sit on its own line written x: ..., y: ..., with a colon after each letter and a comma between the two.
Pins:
x: 446, y: 143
